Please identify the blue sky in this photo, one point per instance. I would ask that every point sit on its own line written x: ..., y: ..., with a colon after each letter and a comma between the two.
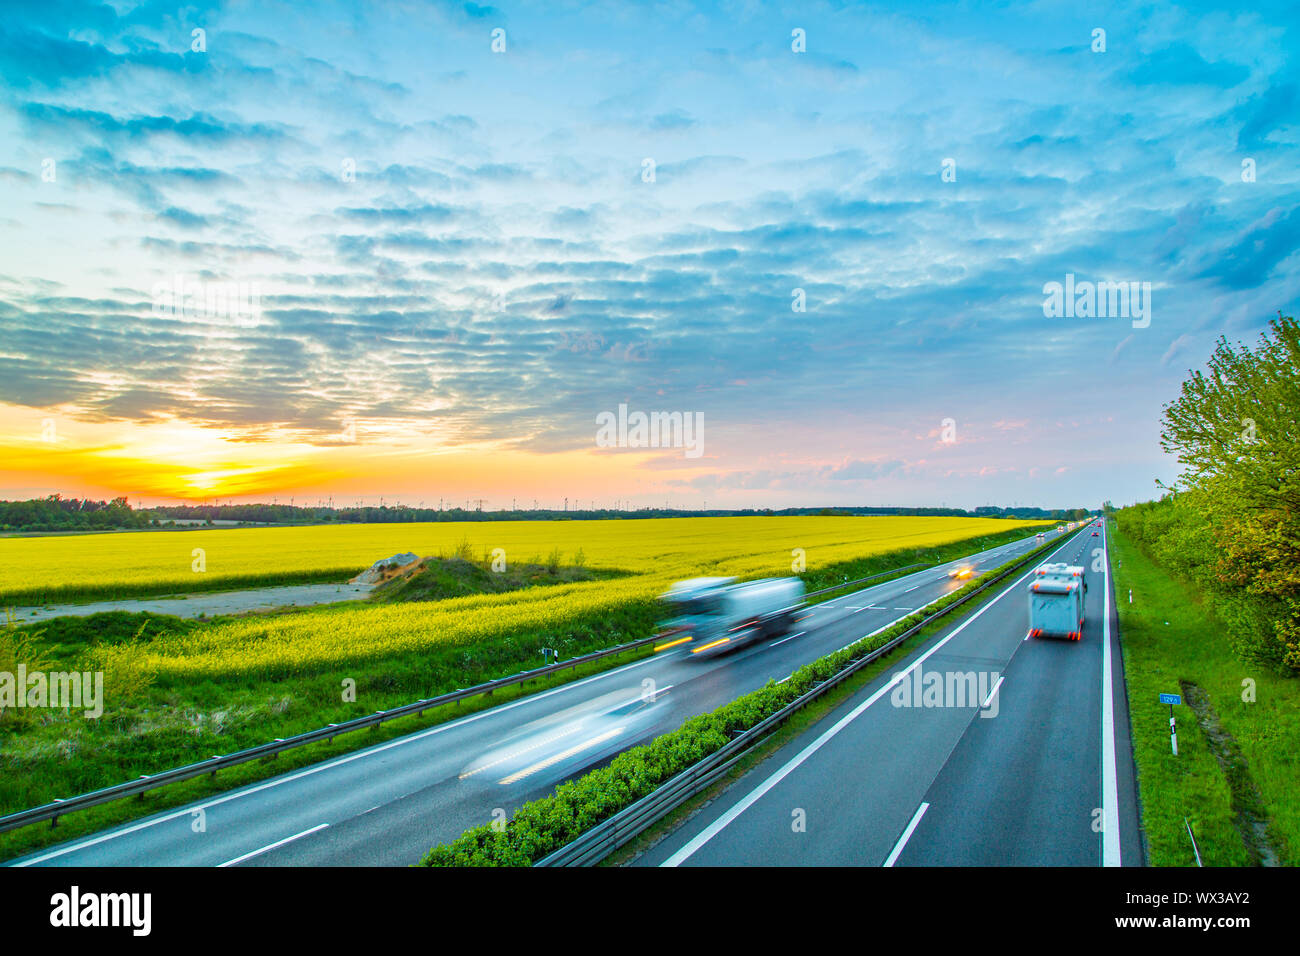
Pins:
x: 499, y: 270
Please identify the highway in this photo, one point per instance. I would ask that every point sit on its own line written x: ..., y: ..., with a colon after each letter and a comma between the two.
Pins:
x: 387, y: 804
x: 1033, y: 769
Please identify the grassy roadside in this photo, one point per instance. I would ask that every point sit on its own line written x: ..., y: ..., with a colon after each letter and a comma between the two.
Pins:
x: 56, y: 756
x: 1172, y: 642
x: 29, y: 839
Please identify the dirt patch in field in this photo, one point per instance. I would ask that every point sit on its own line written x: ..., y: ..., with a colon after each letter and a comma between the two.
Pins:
x: 1247, y: 804
x: 437, y: 579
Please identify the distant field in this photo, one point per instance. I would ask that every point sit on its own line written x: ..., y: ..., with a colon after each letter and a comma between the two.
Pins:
x: 654, y: 551
x: 144, y: 564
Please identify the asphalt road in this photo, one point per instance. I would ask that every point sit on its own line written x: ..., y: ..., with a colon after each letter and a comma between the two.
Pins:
x: 387, y: 804
x: 1034, y: 768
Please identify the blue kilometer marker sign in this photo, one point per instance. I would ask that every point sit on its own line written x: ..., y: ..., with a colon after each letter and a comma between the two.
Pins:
x: 1170, y: 699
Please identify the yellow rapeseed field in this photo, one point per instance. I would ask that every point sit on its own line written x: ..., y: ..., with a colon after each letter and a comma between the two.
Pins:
x: 656, y: 551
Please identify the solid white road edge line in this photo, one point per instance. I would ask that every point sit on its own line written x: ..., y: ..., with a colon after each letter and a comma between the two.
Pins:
x: 249, y: 856
x: 1110, y: 852
x: 907, y: 834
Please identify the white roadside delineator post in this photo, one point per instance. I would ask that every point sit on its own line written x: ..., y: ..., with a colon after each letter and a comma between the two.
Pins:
x: 1172, y: 699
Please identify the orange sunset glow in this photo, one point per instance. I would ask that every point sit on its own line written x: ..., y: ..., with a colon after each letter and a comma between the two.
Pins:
x: 179, y: 461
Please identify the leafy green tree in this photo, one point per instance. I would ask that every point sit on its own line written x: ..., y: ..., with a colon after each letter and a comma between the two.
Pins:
x: 1235, y: 428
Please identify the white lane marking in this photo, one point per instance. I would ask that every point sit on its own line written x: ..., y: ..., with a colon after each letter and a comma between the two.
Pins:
x: 907, y: 834
x: 910, y: 590
x: 993, y: 693
x: 357, y: 755
x: 718, y: 825
x: 249, y: 856
x: 1110, y: 847
x: 790, y: 638
x: 556, y: 758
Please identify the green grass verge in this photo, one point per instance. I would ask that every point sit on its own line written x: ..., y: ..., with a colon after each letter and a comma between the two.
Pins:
x: 1170, y: 636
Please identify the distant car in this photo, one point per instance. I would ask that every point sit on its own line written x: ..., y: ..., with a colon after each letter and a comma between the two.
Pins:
x: 1040, y: 536
x: 961, y: 572
x: 1095, y: 534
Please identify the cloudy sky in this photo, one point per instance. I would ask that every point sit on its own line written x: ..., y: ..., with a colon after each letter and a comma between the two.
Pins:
x: 421, y: 247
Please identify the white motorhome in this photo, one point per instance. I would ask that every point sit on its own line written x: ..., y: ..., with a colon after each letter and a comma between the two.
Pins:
x: 1056, y: 602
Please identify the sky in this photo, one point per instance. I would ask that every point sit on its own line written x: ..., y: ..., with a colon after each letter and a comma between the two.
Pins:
x: 413, y: 252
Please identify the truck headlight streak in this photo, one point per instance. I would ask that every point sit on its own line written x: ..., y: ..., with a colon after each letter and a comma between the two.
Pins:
x: 718, y: 643
x: 680, y: 640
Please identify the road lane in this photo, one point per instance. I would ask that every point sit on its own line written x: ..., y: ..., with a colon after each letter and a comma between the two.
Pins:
x: 1017, y: 786
x: 387, y: 804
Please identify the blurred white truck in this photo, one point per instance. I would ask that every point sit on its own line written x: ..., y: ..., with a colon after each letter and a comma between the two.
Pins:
x: 1056, y: 595
x: 720, y: 614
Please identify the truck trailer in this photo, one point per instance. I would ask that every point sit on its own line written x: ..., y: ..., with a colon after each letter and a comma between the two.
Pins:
x: 1056, y: 602
x: 716, y: 615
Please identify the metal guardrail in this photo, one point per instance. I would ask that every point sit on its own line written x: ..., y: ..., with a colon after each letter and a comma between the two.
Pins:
x: 614, y: 832
x: 870, y: 577
x: 147, y: 782
x: 52, y: 811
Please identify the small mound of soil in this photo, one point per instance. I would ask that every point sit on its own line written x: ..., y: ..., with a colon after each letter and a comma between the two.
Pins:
x: 436, y: 579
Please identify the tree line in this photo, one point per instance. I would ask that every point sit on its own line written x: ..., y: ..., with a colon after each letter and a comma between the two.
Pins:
x: 57, y: 513
x: 1231, y: 522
